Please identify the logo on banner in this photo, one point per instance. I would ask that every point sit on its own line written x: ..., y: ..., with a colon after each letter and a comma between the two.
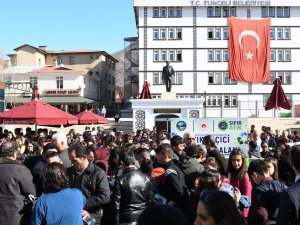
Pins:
x: 203, y: 125
x: 181, y: 125
x: 222, y: 125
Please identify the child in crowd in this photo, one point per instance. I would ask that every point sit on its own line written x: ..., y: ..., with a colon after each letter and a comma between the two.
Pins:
x: 272, y: 166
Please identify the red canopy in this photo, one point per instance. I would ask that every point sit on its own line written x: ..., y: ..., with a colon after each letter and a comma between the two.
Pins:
x: 277, y: 97
x: 87, y: 117
x: 146, y: 92
x: 38, y: 113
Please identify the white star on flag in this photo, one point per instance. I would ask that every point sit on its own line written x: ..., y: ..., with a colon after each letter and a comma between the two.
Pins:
x: 249, y: 55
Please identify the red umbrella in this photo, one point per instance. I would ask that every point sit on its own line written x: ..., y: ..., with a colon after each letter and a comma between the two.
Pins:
x: 146, y: 92
x: 38, y: 113
x: 87, y: 117
x: 277, y: 97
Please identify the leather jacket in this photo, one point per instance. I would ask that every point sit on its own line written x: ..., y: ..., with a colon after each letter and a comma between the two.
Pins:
x: 132, y: 194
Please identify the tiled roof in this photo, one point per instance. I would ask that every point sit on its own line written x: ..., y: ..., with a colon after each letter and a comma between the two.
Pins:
x: 73, y: 51
x: 20, y: 69
x: 53, y: 69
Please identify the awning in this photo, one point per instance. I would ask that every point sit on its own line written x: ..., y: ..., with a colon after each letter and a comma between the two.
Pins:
x: 56, y: 99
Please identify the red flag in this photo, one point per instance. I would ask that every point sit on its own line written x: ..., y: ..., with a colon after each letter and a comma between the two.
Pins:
x: 249, y: 50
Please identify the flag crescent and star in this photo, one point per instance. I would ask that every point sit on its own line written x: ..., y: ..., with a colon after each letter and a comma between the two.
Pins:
x: 249, y: 50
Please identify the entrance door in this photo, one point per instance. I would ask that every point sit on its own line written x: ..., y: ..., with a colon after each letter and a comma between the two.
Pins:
x: 163, y: 123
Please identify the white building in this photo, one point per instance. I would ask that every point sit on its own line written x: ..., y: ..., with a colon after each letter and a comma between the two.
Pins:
x: 193, y: 36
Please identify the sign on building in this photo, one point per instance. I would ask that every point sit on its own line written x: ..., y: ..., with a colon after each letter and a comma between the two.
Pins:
x: 229, y: 133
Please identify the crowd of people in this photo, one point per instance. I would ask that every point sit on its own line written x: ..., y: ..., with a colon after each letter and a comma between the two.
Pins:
x: 147, y: 177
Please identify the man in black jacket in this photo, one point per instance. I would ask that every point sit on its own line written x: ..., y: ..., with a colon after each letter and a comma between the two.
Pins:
x: 90, y: 179
x: 132, y: 190
x: 265, y: 195
x: 174, y: 188
x: 15, y: 185
x: 289, y: 209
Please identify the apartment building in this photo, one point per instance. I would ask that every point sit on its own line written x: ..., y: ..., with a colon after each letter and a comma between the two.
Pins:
x: 193, y: 37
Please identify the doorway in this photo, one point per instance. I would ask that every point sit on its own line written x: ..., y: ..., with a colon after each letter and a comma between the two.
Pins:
x: 163, y: 123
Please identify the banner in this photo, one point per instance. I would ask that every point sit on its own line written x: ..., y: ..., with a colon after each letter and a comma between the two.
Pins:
x: 249, y: 50
x: 229, y: 133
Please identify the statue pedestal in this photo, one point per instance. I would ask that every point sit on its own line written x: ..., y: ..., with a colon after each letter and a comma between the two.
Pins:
x: 168, y: 96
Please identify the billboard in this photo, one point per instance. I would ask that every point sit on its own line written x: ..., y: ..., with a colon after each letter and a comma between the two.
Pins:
x: 229, y: 133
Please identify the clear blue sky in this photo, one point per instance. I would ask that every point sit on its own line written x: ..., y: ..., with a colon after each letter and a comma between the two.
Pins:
x: 66, y: 24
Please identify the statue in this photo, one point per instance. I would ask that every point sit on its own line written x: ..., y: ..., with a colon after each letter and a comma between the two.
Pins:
x: 167, y: 74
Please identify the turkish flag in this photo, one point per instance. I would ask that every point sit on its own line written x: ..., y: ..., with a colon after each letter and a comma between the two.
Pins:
x: 249, y: 50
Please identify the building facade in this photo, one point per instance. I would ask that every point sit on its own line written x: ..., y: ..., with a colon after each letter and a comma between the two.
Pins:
x: 193, y: 37
x: 96, y: 70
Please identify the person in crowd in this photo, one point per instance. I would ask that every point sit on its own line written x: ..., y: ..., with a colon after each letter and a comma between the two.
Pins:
x: 103, y: 111
x: 271, y: 141
x: 101, y: 156
x: 198, y: 152
x: 59, y: 204
x: 286, y: 174
x: 217, y: 207
x: 10, y: 136
x: 15, y: 186
x: 272, y: 166
x: 265, y: 153
x: 253, y: 150
x: 60, y: 139
x: 142, y: 155
x: 237, y: 172
x: 132, y: 190
x: 164, y: 214
x: 190, y: 167
x: 265, y: 195
x: 189, y: 139
x: 173, y: 188
x: 289, y: 209
x: 212, y: 151
x: 90, y: 179
x: 279, y: 150
x: 211, y: 163
x: 284, y: 139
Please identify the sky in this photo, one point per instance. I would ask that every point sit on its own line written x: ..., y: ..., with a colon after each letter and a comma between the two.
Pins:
x: 66, y: 24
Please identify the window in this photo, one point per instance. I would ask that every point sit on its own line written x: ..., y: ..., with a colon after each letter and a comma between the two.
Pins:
x: 272, y: 55
x: 155, y: 33
x: 210, y: 55
x: 33, y: 80
x: 71, y: 60
x: 272, y: 33
x: 217, y: 12
x: 178, y: 31
x: 163, y: 12
x: 179, y: 55
x: 286, y: 11
x: 272, y: 77
x: 59, y: 82
x: 280, y: 55
x: 171, y: 55
x: 171, y: 12
x: 225, y: 33
x: 91, y: 73
x: 226, y: 79
x: 225, y: 55
x: 171, y: 33
x: 248, y: 13
x: 288, y: 78
x: 215, y: 78
x: 179, y: 78
x: 218, y: 55
x: 163, y: 55
x: 213, y: 100
x: 156, y: 55
x: 271, y: 11
x: 163, y: 33
x: 210, y: 33
x: 59, y: 60
x: 218, y: 33
x: 155, y: 78
x: 287, y: 33
x: 210, y: 12
x: 264, y: 12
x: 232, y: 11
x: 91, y: 57
x: 225, y: 11
x: 230, y: 100
x: 155, y: 12
x: 40, y: 61
x: 287, y: 56
x: 279, y: 12
x: 279, y: 33
x: 178, y: 12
